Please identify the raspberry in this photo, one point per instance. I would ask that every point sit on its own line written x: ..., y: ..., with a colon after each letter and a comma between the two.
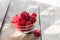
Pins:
x: 18, y: 23
x: 34, y: 14
x: 37, y: 33
x: 23, y: 14
x: 27, y: 16
x: 18, y: 18
x: 13, y: 20
x: 23, y: 22
x: 32, y: 19
x: 28, y: 23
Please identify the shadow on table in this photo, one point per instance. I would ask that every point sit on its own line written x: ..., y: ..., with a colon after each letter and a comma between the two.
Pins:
x: 25, y: 37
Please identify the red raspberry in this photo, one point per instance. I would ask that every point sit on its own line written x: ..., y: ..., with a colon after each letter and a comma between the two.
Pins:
x: 18, y: 23
x: 27, y: 16
x: 23, y: 22
x: 28, y: 23
x: 37, y: 33
x: 21, y: 18
x: 34, y: 14
x: 23, y: 14
x: 18, y: 18
x: 13, y: 20
x: 32, y: 19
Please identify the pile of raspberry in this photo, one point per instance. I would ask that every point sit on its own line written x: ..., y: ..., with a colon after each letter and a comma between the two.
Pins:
x: 23, y: 19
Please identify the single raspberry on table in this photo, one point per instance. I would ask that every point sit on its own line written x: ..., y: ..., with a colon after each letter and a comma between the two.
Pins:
x: 34, y: 14
x: 37, y: 33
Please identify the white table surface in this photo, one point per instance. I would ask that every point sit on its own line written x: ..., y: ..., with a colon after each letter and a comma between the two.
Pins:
x: 50, y: 2
x: 3, y: 8
x: 50, y: 22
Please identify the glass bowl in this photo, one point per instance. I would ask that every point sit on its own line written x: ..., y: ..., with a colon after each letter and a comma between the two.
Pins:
x: 25, y: 29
